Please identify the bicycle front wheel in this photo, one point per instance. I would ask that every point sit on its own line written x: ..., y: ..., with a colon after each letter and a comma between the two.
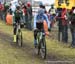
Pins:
x: 43, y: 48
x: 19, y: 39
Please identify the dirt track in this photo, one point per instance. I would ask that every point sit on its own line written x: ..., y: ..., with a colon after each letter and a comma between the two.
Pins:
x: 28, y: 50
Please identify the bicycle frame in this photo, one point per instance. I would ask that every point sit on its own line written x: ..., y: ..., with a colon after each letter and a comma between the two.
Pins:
x: 41, y: 44
x: 40, y: 36
x: 18, y: 28
x: 19, y: 35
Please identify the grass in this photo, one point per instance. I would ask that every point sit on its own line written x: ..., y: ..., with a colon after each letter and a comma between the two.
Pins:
x: 13, y: 55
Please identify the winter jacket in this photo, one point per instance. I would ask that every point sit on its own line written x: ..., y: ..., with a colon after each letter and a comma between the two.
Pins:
x: 64, y: 17
x: 1, y: 7
x: 73, y: 19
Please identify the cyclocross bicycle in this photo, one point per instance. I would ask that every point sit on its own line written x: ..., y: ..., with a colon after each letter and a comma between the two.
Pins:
x: 41, y: 44
x: 19, y: 38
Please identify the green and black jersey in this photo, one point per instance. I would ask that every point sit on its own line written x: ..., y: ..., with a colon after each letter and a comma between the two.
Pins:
x: 18, y: 14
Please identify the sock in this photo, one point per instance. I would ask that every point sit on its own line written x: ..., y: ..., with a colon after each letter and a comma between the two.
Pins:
x: 14, y: 38
x: 35, y: 42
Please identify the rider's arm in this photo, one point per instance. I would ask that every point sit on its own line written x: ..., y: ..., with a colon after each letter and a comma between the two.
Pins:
x: 47, y: 20
x: 35, y: 22
x: 21, y: 15
x: 14, y: 14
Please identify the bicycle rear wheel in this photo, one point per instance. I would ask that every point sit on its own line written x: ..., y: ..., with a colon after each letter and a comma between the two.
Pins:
x: 37, y: 47
x: 19, y: 39
x: 42, y: 48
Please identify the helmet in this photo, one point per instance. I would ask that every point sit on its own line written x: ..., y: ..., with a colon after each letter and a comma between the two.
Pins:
x: 28, y: 4
x: 40, y: 4
x: 41, y: 11
x: 17, y: 7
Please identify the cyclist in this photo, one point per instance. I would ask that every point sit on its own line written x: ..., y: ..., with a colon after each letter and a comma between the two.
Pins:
x: 41, y: 16
x: 18, y: 15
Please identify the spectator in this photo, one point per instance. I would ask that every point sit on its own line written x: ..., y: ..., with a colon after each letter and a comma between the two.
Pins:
x: 10, y: 10
x: 25, y: 15
x: 6, y: 7
x: 29, y: 10
x: 59, y: 19
x: 64, y: 25
x: 52, y: 12
x: 1, y: 11
x: 72, y: 25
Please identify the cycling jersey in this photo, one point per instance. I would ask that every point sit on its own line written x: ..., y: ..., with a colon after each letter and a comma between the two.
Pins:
x: 42, y: 18
x: 18, y: 15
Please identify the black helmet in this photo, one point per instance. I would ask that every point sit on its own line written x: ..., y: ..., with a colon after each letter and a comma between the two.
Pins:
x: 18, y: 7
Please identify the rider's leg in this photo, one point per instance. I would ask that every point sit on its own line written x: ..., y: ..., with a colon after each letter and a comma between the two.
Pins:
x: 15, y: 33
x: 35, y: 37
